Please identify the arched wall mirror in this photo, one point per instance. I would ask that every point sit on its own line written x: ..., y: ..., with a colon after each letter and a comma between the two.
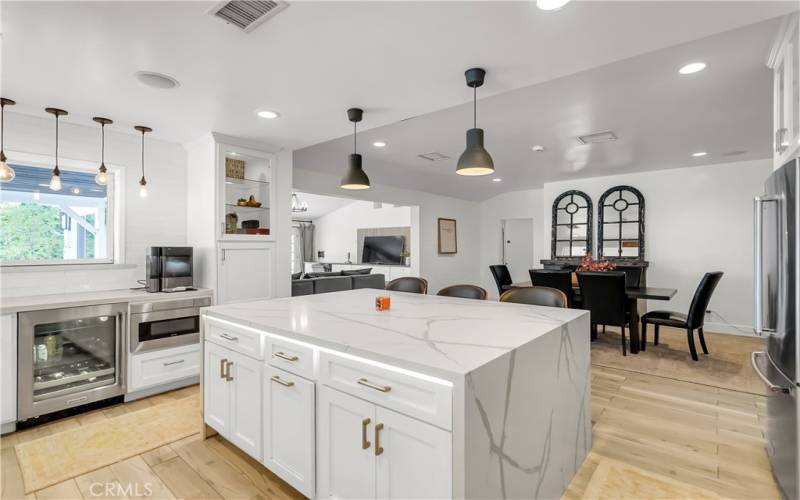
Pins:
x: 620, y: 214
x: 572, y: 225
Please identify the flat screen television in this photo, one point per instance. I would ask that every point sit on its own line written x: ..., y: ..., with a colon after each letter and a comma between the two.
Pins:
x: 382, y: 250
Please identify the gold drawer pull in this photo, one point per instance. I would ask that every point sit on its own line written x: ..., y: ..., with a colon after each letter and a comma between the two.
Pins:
x: 174, y: 362
x: 367, y: 383
x: 228, y: 376
x: 364, y: 442
x: 378, y: 448
x: 284, y: 383
x: 281, y: 355
x: 222, y: 367
x: 229, y: 337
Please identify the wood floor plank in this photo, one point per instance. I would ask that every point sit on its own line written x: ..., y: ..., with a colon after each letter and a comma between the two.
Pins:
x: 66, y: 490
x: 139, y: 480
x: 100, y: 483
x: 183, y: 480
x: 159, y: 455
x: 222, y: 476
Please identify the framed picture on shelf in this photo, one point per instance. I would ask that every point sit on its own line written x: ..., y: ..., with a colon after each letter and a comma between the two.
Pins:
x: 448, y: 243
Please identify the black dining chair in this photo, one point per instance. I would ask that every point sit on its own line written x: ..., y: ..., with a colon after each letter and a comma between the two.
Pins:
x: 464, y: 292
x: 411, y: 284
x: 535, y: 295
x: 603, y: 295
x: 560, y: 279
x: 633, y: 275
x: 690, y: 322
x: 502, y: 277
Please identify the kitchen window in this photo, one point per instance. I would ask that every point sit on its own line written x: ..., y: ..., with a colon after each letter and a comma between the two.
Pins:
x: 40, y: 226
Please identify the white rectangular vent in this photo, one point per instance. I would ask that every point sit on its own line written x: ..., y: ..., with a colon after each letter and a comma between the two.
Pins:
x: 434, y: 156
x: 597, y: 137
x: 247, y: 15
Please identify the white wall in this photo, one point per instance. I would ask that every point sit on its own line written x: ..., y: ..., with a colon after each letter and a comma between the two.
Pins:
x: 439, y: 270
x: 159, y: 219
x: 336, y: 232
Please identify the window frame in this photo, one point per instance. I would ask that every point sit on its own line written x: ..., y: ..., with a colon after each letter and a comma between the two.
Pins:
x: 115, y: 203
x: 571, y: 194
x: 601, y: 222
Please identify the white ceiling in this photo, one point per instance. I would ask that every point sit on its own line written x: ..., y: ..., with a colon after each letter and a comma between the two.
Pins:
x: 660, y: 117
x: 315, y: 59
x: 319, y: 205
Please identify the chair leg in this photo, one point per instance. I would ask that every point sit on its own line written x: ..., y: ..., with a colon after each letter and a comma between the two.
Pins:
x: 702, y: 340
x: 643, y: 339
x: 624, y: 347
x: 604, y: 329
x: 690, y: 338
x: 655, y: 337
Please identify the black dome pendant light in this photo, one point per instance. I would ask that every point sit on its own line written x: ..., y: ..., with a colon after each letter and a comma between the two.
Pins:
x: 475, y: 160
x: 355, y: 178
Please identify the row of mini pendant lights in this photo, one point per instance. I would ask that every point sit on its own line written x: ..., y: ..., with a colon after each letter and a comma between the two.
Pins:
x: 474, y: 161
x: 7, y: 173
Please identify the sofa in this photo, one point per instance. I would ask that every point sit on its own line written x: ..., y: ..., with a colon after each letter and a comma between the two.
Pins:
x: 337, y: 281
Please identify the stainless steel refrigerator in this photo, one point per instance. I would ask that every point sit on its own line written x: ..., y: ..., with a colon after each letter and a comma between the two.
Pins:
x: 777, y: 227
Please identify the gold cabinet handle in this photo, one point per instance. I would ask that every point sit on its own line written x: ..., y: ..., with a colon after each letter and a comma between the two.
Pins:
x: 367, y: 383
x: 281, y: 355
x: 228, y: 376
x: 284, y: 383
x: 378, y: 448
x: 222, y: 367
x: 364, y: 442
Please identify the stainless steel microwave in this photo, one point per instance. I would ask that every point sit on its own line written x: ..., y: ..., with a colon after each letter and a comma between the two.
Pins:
x: 169, y: 269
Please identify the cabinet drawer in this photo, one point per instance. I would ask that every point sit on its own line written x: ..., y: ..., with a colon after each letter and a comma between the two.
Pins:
x: 161, y: 367
x: 292, y: 357
x: 248, y: 342
x: 417, y: 397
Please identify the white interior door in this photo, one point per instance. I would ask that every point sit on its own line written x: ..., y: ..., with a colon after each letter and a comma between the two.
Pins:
x: 517, y: 247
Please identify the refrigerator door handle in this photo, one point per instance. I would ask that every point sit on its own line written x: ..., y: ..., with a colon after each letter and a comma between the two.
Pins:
x: 771, y: 386
x: 758, y: 319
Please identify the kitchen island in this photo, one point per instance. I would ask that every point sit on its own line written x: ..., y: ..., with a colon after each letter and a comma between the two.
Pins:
x: 438, y: 397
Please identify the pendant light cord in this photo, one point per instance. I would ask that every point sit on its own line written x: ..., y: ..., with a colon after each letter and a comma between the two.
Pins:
x: 2, y: 125
x: 56, y: 140
x: 475, y: 106
x: 355, y: 135
x: 102, y: 144
x: 142, y: 154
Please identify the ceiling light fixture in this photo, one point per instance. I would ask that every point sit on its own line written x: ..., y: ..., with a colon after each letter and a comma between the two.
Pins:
x: 102, y: 176
x: 692, y: 68
x: 355, y: 178
x: 537, y: 148
x: 268, y: 114
x: 55, y: 180
x: 379, y: 144
x: 7, y: 173
x: 76, y: 190
x: 297, y: 205
x: 497, y: 179
x: 156, y: 80
x: 551, y: 4
x: 143, y: 181
x: 475, y: 160
x: 699, y: 154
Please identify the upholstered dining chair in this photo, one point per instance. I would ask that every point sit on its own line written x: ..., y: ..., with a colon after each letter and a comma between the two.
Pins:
x: 502, y: 277
x: 464, y: 292
x: 560, y: 279
x: 603, y: 294
x: 411, y: 284
x: 535, y: 295
x: 690, y: 322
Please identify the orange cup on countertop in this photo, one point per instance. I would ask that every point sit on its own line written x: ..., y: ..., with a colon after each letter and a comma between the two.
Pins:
x: 383, y: 303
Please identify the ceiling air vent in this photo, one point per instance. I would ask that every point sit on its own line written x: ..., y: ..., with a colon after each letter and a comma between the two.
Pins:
x: 433, y: 156
x: 597, y: 137
x: 247, y: 15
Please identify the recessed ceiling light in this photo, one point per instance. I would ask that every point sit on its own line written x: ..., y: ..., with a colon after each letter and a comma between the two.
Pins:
x: 233, y: 153
x: 268, y: 114
x: 379, y: 144
x: 551, y: 4
x: 692, y: 68
x: 699, y: 154
x: 497, y: 179
x: 156, y: 80
x: 538, y: 148
x: 76, y: 191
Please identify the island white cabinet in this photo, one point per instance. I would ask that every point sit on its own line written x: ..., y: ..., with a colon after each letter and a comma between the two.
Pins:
x: 366, y: 451
x: 288, y: 428
x: 246, y: 272
x: 231, y: 389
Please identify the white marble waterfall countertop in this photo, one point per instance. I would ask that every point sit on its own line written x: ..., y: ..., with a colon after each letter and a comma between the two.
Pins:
x: 74, y: 299
x: 441, y: 336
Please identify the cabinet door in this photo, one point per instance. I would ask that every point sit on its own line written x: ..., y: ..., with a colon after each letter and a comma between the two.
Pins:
x: 216, y: 389
x: 345, y: 453
x: 8, y: 368
x: 245, y: 402
x: 289, y: 445
x: 786, y: 95
x: 416, y: 458
x: 245, y: 272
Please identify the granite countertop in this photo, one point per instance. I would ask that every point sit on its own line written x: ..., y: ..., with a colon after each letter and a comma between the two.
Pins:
x: 441, y: 336
x: 59, y: 300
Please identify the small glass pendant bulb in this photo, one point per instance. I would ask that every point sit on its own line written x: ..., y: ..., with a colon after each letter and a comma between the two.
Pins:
x: 102, y: 176
x: 142, y: 188
x: 55, y: 180
x: 7, y: 173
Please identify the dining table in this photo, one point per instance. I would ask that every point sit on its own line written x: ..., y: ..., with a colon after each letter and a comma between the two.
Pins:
x: 634, y: 295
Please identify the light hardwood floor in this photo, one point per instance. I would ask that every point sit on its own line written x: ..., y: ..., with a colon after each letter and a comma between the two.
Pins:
x: 697, y: 434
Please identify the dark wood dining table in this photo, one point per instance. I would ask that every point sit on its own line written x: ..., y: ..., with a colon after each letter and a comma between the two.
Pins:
x: 634, y: 294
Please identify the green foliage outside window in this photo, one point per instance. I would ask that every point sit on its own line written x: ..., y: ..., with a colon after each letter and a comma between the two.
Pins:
x: 31, y: 232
